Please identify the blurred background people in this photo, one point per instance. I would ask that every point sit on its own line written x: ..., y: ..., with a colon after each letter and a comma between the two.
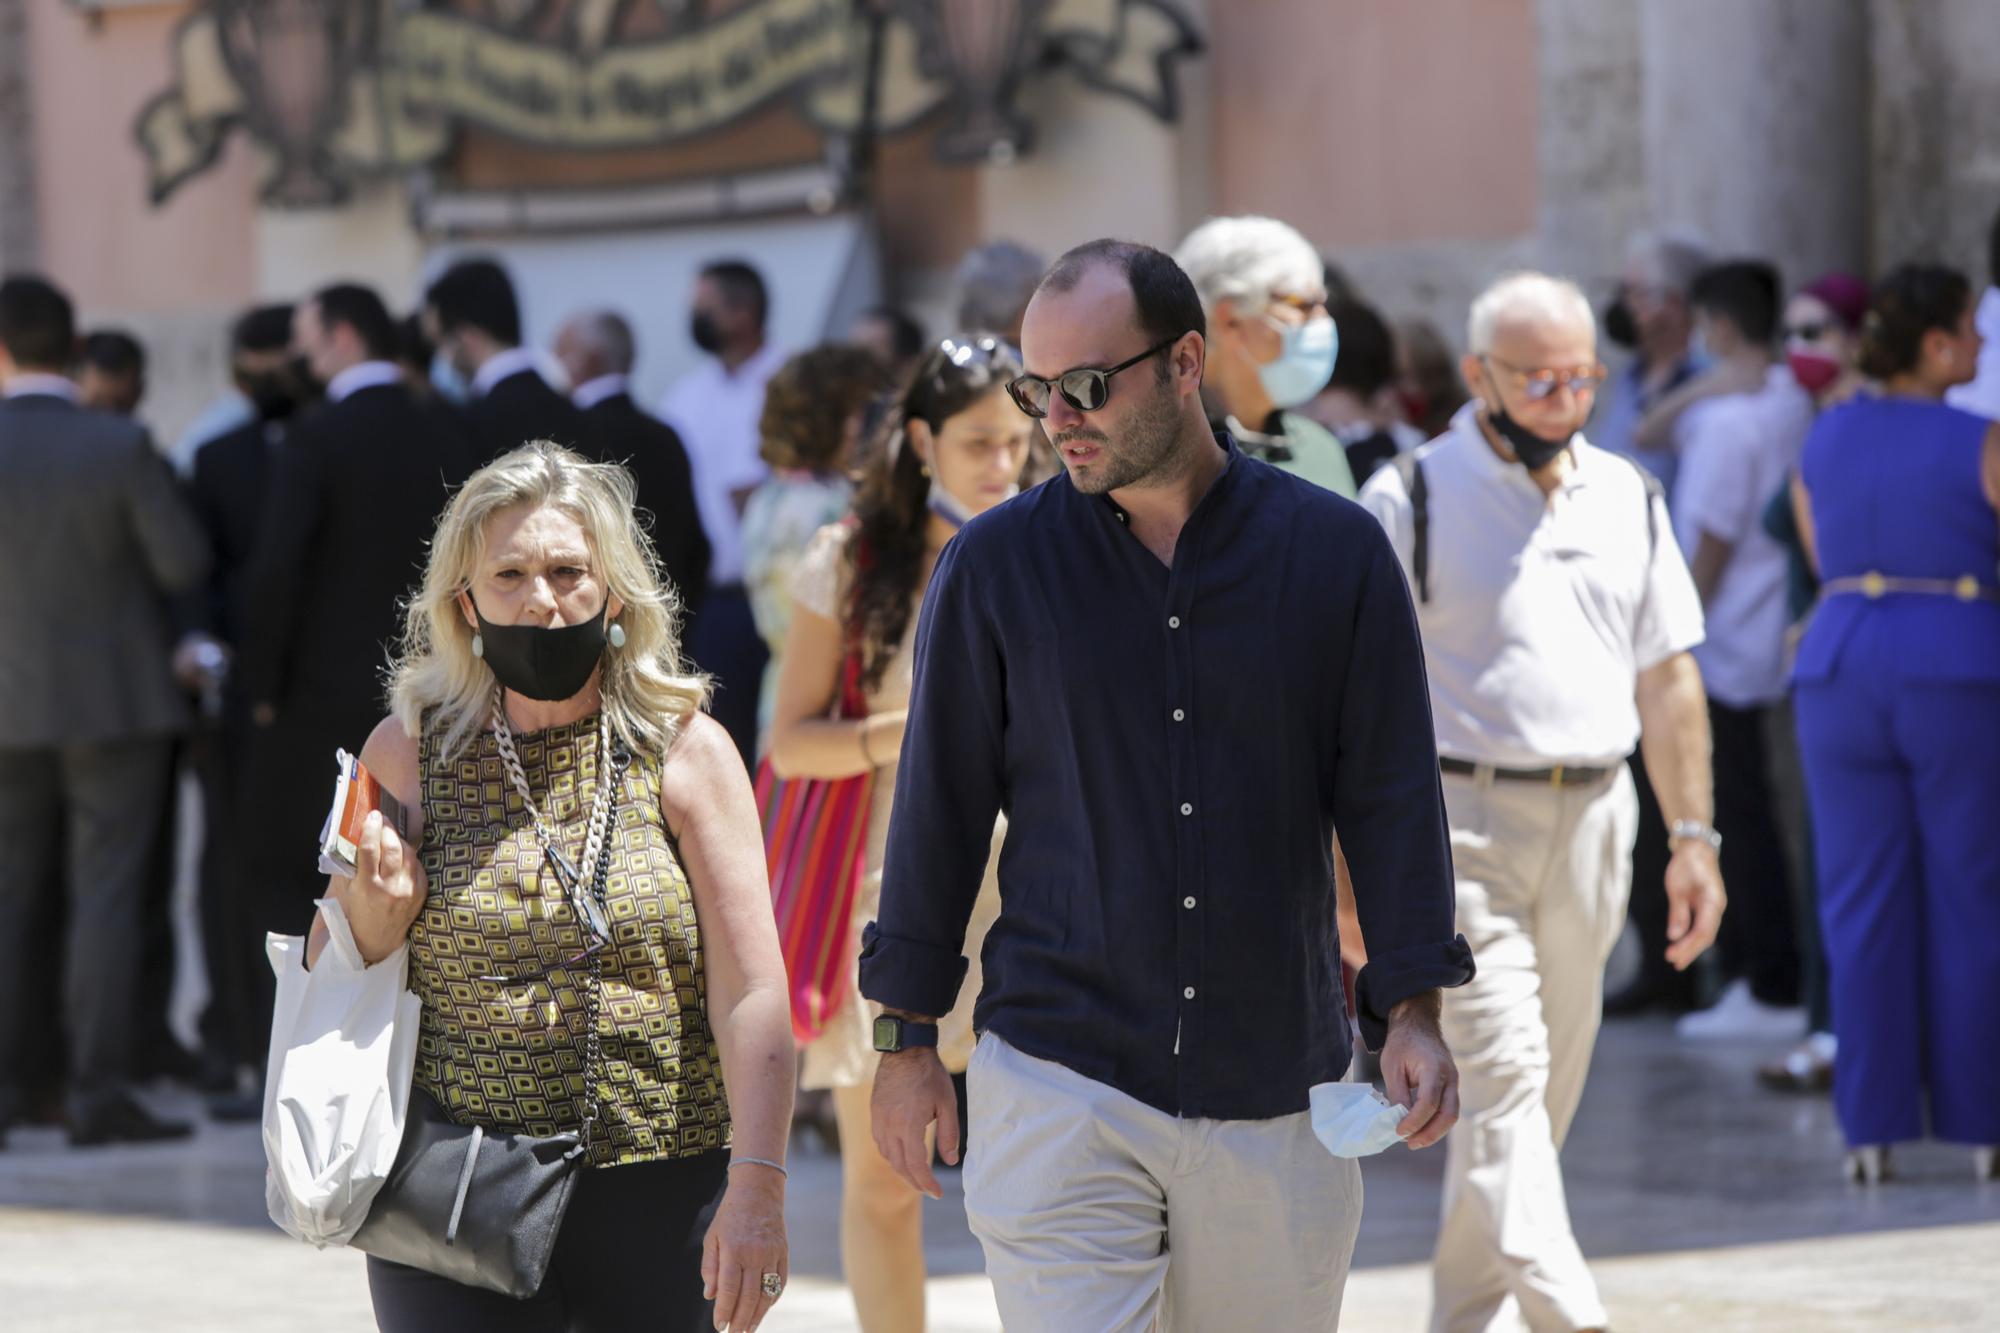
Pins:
x: 993, y: 284
x: 89, y: 714
x: 475, y: 320
x: 1898, y: 697
x: 715, y: 409
x: 813, y: 411
x: 354, y: 491
x: 894, y: 336
x: 111, y: 372
x: 1735, y: 452
x: 596, y: 350
x: 1651, y: 317
x: 1822, y: 340
x: 956, y: 448
x: 1981, y: 393
x: 1271, y: 342
x: 1427, y: 379
x: 1359, y: 403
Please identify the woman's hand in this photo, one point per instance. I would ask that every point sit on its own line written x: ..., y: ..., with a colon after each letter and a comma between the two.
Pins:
x: 386, y: 893
x: 744, y: 1242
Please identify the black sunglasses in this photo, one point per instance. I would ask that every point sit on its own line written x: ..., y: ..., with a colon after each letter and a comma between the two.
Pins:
x: 1085, y: 390
x: 1806, y: 333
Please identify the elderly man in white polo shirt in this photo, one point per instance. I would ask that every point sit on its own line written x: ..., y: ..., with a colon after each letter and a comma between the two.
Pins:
x: 1557, y: 615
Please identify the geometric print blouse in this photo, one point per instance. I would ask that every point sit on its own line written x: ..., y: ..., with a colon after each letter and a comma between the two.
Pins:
x: 510, y: 1056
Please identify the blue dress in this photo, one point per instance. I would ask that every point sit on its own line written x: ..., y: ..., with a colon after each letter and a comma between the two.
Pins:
x: 1898, y: 701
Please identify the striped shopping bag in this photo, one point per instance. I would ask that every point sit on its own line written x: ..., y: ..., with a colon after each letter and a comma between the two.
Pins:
x: 816, y: 849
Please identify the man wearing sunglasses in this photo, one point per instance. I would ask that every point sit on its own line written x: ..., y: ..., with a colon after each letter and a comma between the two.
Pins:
x: 1557, y: 616
x: 1176, y: 668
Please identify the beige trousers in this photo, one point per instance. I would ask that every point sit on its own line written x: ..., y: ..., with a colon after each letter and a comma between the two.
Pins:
x: 1543, y: 874
x: 1099, y: 1214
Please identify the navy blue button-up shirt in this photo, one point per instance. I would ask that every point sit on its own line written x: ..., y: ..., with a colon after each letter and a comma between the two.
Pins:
x: 1173, y: 748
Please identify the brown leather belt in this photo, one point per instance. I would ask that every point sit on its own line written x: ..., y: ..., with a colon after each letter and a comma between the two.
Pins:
x: 1559, y: 776
x: 1875, y: 586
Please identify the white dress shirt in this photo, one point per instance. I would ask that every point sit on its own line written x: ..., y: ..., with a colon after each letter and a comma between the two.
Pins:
x: 1736, y: 452
x: 592, y: 392
x: 716, y: 413
x: 1982, y: 393
x: 362, y: 375
x: 27, y: 382
x: 1543, y: 609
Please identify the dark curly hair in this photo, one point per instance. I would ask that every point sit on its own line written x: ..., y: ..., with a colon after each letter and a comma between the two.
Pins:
x: 886, y: 552
x: 809, y: 402
x: 1910, y: 302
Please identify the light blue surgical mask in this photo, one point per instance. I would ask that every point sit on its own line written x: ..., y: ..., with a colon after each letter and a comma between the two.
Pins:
x: 1305, y: 361
x: 446, y: 378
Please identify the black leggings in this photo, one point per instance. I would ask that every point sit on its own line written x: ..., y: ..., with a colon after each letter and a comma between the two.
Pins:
x: 628, y: 1258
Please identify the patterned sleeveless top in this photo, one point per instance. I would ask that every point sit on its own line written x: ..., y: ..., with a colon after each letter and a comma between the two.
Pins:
x: 510, y: 1057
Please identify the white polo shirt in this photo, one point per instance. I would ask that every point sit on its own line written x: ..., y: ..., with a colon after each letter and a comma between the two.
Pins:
x: 716, y: 413
x: 1543, y: 609
x: 1737, y: 452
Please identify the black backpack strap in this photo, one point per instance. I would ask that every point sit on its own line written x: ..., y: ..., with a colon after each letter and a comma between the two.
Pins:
x: 1654, y: 491
x: 1412, y: 473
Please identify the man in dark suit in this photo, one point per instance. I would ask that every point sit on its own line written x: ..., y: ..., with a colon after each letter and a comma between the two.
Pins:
x: 475, y: 319
x: 227, y: 486
x: 354, y: 494
x: 88, y: 706
x: 597, y: 352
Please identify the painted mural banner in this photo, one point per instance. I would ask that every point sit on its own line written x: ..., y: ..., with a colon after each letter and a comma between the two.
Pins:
x: 337, y: 91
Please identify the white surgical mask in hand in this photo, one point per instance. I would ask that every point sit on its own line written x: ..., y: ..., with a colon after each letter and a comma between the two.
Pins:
x: 1354, y: 1120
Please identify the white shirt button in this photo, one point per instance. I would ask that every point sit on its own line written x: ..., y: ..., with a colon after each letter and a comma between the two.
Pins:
x: 1179, y: 715
x: 1186, y: 809
x: 1188, y: 903
x: 1173, y: 622
x: 1188, y: 993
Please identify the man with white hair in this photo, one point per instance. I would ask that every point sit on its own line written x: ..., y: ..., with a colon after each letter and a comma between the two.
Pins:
x: 1271, y: 342
x: 1557, y: 615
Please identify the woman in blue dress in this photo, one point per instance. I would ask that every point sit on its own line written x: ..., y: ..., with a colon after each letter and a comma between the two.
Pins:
x: 1898, y: 696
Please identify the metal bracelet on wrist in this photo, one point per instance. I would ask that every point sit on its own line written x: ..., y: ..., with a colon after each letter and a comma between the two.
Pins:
x: 1685, y: 830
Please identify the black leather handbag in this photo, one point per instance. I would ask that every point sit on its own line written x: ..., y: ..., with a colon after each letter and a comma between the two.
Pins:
x: 478, y: 1208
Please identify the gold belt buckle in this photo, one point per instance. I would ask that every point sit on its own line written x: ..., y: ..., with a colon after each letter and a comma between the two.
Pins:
x: 1967, y: 588
x: 1556, y: 776
x: 1874, y: 585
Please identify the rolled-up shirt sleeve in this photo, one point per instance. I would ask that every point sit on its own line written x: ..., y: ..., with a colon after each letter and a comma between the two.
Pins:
x: 1388, y: 807
x: 948, y: 794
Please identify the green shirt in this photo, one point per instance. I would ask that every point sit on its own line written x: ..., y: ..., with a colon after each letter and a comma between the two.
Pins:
x: 1301, y: 447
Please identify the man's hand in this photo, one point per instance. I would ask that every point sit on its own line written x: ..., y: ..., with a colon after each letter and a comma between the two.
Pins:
x: 1695, y: 901
x: 912, y: 1092
x: 1414, y: 1058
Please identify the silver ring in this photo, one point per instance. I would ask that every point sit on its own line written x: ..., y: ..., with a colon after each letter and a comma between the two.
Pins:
x: 774, y: 1285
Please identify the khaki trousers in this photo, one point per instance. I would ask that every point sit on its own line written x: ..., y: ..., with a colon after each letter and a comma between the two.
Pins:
x: 1099, y: 1214
x: 1543, y: 874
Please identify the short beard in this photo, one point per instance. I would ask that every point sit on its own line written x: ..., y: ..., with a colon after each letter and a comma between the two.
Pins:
x: 1148, y: 450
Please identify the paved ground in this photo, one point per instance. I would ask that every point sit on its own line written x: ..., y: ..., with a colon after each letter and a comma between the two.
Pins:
x: 1703, y: 1202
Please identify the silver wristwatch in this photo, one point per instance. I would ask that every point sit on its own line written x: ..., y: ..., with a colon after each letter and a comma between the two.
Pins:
x: 1685, y: 829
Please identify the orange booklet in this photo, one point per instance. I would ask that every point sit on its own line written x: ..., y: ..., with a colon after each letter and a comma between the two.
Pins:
x: 355, y: 793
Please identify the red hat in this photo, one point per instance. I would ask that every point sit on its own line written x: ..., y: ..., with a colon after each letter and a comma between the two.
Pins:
x: 1842, y: 293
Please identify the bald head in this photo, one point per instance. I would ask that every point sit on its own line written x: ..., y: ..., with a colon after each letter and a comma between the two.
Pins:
x: 594, y: 343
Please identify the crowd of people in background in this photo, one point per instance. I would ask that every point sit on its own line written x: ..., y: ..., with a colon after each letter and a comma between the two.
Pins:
x: 1778, y: 545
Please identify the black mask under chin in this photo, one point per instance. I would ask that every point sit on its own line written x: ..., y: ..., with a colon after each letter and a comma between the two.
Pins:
x: 548, y: 665
x: 1535, y: 451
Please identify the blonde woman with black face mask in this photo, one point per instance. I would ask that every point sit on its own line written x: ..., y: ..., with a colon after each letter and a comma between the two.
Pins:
x: 584, y: 897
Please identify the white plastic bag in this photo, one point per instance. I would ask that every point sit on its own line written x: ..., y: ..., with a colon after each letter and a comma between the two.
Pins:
x: 337, y: 1085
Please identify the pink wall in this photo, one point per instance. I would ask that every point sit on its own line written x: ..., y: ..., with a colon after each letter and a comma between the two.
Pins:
x: 100, y: 235
x: 1367, y: 123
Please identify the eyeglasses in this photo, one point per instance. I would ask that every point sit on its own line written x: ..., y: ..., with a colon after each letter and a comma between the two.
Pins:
x: 1305, y: 305
x: 1086, y: 389
x: 1806, y: 333
x: 1536, y: 385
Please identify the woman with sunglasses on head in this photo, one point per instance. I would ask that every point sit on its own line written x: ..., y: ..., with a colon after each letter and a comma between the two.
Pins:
x: 954, y: 446
x: 583, y: 894
x: 1897, y: 689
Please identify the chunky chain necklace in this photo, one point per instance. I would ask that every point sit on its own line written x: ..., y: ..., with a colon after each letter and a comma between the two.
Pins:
x: 576, y: 878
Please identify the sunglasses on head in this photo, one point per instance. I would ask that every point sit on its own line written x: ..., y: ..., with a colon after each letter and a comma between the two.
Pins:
x: 1086, y: 390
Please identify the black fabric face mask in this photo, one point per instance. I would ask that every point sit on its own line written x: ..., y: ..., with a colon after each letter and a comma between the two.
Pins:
x: 706, y: 336
x: 275, y: 394
x: 1535, y: 451
x: 1619, y: 326
x: 548, y: 665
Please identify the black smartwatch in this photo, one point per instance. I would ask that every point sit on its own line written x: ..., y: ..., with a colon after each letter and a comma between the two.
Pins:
x: 899, y: 1034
